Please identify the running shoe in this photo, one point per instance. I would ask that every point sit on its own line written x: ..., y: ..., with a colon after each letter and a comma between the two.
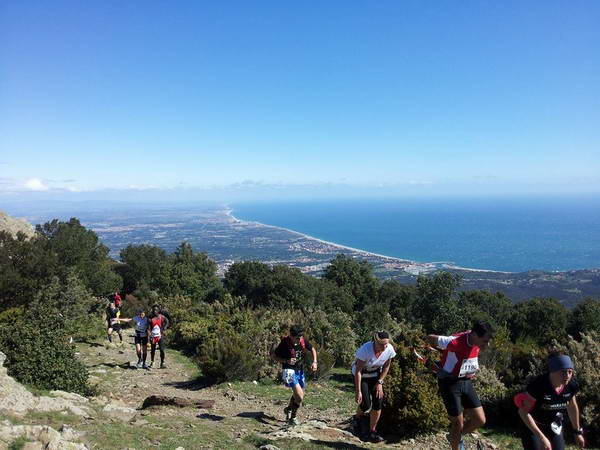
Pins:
x: 293, y: 421
x: 144, y: 366
x: 163, y: 366
x: 288, y: 413
x: 138, y: 365
x: 150, y: 365
x: 461, y: 443
x: 375, y: 437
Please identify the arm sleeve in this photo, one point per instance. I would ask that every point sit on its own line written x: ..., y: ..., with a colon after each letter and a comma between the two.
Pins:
x: 443, y: 341
x: 360, y: 354
x: 534, y: 389
x: 392, y: 352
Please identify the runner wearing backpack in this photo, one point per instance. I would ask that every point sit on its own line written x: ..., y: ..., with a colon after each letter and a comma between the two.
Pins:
x: 290, y: 353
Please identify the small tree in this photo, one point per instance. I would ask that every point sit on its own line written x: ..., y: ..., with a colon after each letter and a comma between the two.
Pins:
x: 436, y: 307
x: 585, y: 318
x: 540, y: 319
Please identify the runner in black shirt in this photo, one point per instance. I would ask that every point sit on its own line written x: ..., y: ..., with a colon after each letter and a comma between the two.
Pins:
x: 545, y: 404
x: 290, y: 353
x: 113, y: 321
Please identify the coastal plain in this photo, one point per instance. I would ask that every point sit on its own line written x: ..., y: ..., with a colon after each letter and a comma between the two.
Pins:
x: 226, y: 239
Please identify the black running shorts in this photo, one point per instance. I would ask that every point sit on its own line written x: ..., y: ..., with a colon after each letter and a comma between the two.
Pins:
x: 142, y: 340
x: 369, y: 399
x: 458, y: 395
x: 530, y: 441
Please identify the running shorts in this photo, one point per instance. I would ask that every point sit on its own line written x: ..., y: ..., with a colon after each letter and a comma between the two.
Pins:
x: 292, y: 377
x: 458, y: 394
x: 142, y: 340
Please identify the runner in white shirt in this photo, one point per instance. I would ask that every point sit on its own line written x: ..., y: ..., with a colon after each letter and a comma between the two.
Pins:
x: 370, y: 369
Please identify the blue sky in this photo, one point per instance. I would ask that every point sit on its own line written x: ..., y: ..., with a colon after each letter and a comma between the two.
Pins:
x: 384, y: 96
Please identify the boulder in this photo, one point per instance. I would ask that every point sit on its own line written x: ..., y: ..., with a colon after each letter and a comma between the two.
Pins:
x: 119, y: 412
x: 33, y: 446
x: 69, y: 396
x: 15, y: 399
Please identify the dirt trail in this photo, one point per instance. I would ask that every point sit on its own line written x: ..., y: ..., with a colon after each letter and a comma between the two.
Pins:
x: 112, y: 370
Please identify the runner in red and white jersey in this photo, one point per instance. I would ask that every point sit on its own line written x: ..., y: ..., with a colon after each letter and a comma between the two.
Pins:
x: 460, y: 356
x: 459, y: 365
x: 156, y: 329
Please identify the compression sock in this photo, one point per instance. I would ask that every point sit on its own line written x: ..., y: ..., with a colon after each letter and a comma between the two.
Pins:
x: 294, y: 406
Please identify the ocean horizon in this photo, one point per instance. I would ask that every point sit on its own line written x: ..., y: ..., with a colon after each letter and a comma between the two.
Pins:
x: 502, y: 234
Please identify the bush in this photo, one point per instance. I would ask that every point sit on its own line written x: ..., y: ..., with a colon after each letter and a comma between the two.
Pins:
x: 494, y: 396
x: 412, y: 403
x: 326, y: 361
x: 229, y: 356
x: 38, y: 352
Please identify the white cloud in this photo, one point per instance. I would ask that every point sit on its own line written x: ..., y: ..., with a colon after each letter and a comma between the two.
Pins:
x: 35, y: 184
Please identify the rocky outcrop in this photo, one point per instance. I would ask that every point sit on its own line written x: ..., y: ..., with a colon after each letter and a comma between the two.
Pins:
x: 17, y: 401
x: 13, y: 226
x: 39, y: 437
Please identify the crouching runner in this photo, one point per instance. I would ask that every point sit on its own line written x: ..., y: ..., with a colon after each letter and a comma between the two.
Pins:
x: 544, y: 405
x: 290, y: 353
x: 370, y: 368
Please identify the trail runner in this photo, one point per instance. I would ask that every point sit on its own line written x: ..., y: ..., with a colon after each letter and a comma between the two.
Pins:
x: 117, y: 299
x: 142, y: 323
x: 543, y: 407
x: 290, y: 353
x: 458, y: 367
x: 113, y: 321
x: 370, y: 368
x: 158, y: 325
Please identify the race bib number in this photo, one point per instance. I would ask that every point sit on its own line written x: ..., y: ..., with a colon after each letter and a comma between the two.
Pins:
x: 156, y: 331
x: 468, y: 368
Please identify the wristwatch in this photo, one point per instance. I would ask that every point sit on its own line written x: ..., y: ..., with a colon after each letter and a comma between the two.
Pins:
x: 380, y: 381
x: 580, y: 431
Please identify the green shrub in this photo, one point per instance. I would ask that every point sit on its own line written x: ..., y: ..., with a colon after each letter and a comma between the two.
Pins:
x: 326, y: 361
x: 39, y: 354
x: 494, y: 396
x: 229, y: 356
x: 412, y: 403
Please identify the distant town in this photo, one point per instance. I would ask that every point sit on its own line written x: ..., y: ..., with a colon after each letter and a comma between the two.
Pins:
x: 226, y: 239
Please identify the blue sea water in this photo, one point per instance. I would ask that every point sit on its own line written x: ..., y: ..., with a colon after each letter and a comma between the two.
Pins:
x: 506, y: 234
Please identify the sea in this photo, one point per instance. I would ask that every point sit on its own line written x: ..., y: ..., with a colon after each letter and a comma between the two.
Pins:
x: 503, y: 234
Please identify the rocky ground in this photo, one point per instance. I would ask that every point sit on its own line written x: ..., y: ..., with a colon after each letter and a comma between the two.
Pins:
x: 243, y: 415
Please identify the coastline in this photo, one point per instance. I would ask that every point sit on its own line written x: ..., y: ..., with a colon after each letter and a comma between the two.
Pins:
x: 426, y: 266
